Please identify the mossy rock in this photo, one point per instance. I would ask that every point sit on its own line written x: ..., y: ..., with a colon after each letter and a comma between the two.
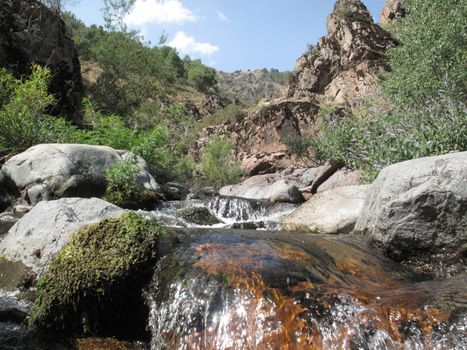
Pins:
x: 94, y: 284
x: 199, y: 216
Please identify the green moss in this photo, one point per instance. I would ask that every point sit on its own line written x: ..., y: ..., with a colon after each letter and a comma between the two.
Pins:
x: 94, y: 284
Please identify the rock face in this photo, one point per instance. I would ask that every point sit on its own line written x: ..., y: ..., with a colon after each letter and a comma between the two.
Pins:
x: 31, y: 33
x: 417, y: 209
x: 392, y: 10
x: 259, y: 135
x: 42, y: 232
x: 332, y: 212
x: 343, y: 64
x: 270, y: 187
x: 51, y: 171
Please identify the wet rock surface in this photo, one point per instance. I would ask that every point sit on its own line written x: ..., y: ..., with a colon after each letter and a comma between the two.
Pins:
x: 233, y: 289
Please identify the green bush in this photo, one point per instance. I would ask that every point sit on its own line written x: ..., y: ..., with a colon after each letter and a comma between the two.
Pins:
x: 376, y: 141
x: 231, y: 112
x: 217, y: 166
x: 431, y: 60
x: 24, y: 121
x: 94, y: 284
x: 299, y: 145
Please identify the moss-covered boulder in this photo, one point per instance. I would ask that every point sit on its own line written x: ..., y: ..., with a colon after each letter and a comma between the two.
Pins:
x: 94, y: 285
x: 199, y: 216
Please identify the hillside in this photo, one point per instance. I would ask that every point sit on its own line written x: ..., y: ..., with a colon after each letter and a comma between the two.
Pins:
x: 251, y: 86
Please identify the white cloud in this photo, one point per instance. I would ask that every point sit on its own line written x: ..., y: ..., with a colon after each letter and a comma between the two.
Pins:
x: 188, y: 44
x: 222, y: 16
x: 154, y: 11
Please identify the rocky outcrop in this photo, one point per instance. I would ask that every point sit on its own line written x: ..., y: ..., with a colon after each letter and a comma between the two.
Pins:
x: 51, y: 171
x: 259, y: 135
x: 332, y: 212
x: 42, y: 232
x: 416, y: 211
x: 343, y: 64
x: 393, y: 9
x: 31, y: 33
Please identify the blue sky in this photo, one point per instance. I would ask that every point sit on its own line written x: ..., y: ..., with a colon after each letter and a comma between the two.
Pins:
x: 229, y: 34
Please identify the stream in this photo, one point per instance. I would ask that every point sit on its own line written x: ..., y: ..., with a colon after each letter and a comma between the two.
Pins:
x: 224, y: 288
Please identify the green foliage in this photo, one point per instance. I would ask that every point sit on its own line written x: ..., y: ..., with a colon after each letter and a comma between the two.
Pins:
x: 431, y: 60
x: 376, y: 141
x: 230, y: 113
x: 217, y: 166
x: 122, y: 186
x: 200, y: 76
x: 93, y: 285
x: 299, y: 145
x: 23, y: 111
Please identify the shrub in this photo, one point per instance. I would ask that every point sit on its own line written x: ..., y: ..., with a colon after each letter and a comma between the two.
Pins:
x: 299, y: 145
x: 430, y: 62
x: 376, y: 141
x: 217, y: 166
x: 122, y: 186
x: 24, y: 121
x: 94, y: 284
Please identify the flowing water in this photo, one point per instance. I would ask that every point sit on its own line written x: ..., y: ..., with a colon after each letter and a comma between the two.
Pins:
x: 225, y: 289
x: 243, y: 290
x: 231, y: 211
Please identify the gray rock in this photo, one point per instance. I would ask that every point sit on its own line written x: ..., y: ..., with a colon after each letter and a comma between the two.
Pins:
x: 42, y: 232
x: 417, y: 209
x: 175, y: 191
x: 332, y: 212
x: 51, y: 171
x: 308, y: 176
x: 265, y: 187
x: 341, y: 178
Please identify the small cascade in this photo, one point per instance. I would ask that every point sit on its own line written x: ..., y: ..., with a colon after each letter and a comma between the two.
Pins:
x: 233, y: 290
x: 237, y: 209
x: 233, y: 212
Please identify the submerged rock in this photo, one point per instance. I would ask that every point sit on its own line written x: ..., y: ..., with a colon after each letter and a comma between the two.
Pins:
x: 416, y: 211
x: 238, y: 290
x: 94, y: 284
x: 76, y: 171
x: 199, y: 216
x: 42, y: 232
x: 331, y: 212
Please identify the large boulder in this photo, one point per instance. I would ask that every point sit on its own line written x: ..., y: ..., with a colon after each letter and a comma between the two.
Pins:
x: 42, y: 232
x: 268, y: 187
x: 416, y: 210
x: 332, y: 212
x: 94, y: 285
x: 31, y: 33
x: 343, y: 66
x: 51, y: 171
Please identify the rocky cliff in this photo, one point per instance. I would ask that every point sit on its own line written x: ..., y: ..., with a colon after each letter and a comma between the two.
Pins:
x: 31, y: 33
x: 341, y: 69
x: 344, y: 63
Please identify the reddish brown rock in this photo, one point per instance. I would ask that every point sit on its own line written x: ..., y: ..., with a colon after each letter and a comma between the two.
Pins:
x: 343, y: 65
